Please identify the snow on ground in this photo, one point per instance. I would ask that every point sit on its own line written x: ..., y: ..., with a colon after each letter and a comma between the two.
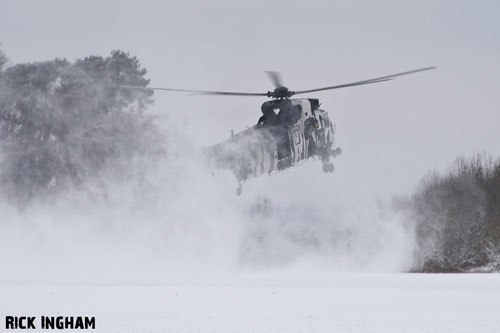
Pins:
x: 336, y: 302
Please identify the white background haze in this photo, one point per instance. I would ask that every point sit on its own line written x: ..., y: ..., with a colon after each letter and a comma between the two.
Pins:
x: 392, y: 133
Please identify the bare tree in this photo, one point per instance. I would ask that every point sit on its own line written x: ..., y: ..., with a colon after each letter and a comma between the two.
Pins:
x: 457, y: 216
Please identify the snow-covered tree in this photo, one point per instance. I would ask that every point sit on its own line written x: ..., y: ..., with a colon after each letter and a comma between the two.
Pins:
x: 62, y: 123
x: 3, y: 60
x: 458, y: 216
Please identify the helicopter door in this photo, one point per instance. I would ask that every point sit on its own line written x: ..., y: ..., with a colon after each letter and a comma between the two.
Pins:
x: 297, y: 143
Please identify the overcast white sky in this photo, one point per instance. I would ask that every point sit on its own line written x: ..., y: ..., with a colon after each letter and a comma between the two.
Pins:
x: 392, y: 133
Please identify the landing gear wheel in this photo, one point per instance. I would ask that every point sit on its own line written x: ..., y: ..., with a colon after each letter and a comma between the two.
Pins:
x: 328, y: 167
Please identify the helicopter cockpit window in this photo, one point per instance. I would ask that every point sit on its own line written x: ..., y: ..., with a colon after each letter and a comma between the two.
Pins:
x: 290, y: 114
x: 321, y: 121
x: 296, y: 113
x: 314, y: 103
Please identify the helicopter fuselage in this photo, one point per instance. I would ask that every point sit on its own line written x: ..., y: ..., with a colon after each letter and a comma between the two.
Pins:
x: 288, y: 132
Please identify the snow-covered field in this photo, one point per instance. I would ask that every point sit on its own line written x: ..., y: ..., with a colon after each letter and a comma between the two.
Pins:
x: 272, y: 302
x: 223, y: 267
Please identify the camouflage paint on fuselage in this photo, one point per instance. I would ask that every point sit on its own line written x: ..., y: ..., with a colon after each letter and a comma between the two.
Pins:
x: 290, y: 131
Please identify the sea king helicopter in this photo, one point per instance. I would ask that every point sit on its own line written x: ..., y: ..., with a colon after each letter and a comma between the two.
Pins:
x: 289, y: 131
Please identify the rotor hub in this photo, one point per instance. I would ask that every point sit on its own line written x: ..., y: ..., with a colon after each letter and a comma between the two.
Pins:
x: 280, y: 93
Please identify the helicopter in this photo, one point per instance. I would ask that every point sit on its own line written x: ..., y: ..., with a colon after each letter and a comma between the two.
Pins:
x: 288, y: 133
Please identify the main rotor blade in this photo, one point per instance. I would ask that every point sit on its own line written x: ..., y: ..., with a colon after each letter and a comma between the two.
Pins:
x: 359, y: 83
x: 204, y: 92
x: 276, y: 78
